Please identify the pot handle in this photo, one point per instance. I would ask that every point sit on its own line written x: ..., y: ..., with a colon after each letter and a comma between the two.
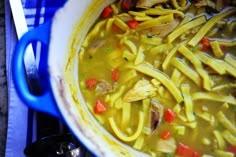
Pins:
x: 43, y: 102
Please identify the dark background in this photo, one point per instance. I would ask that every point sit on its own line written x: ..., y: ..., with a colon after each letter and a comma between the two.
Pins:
x: 3, y: 82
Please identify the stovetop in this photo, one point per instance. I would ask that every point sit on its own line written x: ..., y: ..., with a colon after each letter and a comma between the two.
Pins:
x: 53, y: 139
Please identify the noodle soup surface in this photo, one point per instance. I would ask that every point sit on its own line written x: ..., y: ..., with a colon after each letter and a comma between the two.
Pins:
x: 160, y: 75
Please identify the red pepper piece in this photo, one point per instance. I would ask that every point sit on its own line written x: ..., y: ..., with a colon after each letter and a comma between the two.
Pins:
x: 132, y: 24
x: 115, y: 74
x: 169, y: 115
x: 232, y: 149
x: 186, y: 151
x: 165, y: 135
x: 107, y: 12
x: 183, y: 150
x: 91, y: 83
x: 99, y: 107
x: 205, y: 44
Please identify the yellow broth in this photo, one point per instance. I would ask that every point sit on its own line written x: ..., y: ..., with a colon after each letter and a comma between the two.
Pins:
x: 108, y: 46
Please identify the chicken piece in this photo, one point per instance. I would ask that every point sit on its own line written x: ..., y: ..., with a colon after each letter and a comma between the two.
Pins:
x: 163, y: 29
x: 141, y: 90
x: 156, y: 111
x: 148, y: 3
x: 103, y: 87
x: 94, y: 47
x: 167, y: 146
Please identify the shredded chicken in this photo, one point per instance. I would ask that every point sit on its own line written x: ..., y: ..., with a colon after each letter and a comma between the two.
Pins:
x: 157, y: 111
x: 141, y: 90
x: 167, y: 146
x: 148, y: 3
x: 163, y: 29
x: 103, y: 87
x: 95, y: 46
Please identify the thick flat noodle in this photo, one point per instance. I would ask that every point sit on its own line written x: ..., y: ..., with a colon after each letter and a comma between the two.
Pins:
x: 224, y: 86
x: 231, y: 60
x: 219, y: 138
x: 222, y: 153
x: 214, y: 97
x: 161, y: 48
x: 155, y: 41
x: 94, y: 32
x: 206, y: 27
x: 197, y: 65
x: 161, y: 11
x: 176, y: 77
x: 229, y: 137
x: 138, y: 144
x: 226, y: 122
x: 143, y: 18
x: 122, y: 25
x: 133, y: 137
x: 150, y: 71
x: 140, y: 56
x: 227, y: 43
x: 109, y: 24
x: 180, y: 30
x: 188, y: 103
x: 230, y: 69
x: 211, y: 62
x: 126, y: 109
x: 135, y: 13
x: 179, y: 4
x: 215, y: 46
x: 169, y: 56
x: 148, y: 3
x: 186, y: 70
x: 131, y: 46
x: 154, y: 22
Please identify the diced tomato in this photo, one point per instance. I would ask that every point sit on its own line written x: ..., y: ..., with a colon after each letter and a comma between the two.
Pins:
x: 165, y: 135
x: 91, y: 83
x: 107, y: 12
x: 195, y: 154
x: 115, y: 74
x: 205, y: 41
x: 183, y: 150
x: 205, y: 44
x: 204, y: 48
x: 169, y: 115
x: 186, y: 151
x: 132, y: 24
x: 99, y: 107
x: 232, y: 149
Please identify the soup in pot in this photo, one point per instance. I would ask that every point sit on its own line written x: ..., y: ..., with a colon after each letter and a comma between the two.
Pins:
x: 160, y: 75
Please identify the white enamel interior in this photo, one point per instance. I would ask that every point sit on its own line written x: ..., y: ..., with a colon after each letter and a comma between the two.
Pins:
x: 70, y: 25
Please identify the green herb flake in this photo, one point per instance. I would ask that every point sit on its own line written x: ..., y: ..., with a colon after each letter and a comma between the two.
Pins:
x: 168, y: 155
